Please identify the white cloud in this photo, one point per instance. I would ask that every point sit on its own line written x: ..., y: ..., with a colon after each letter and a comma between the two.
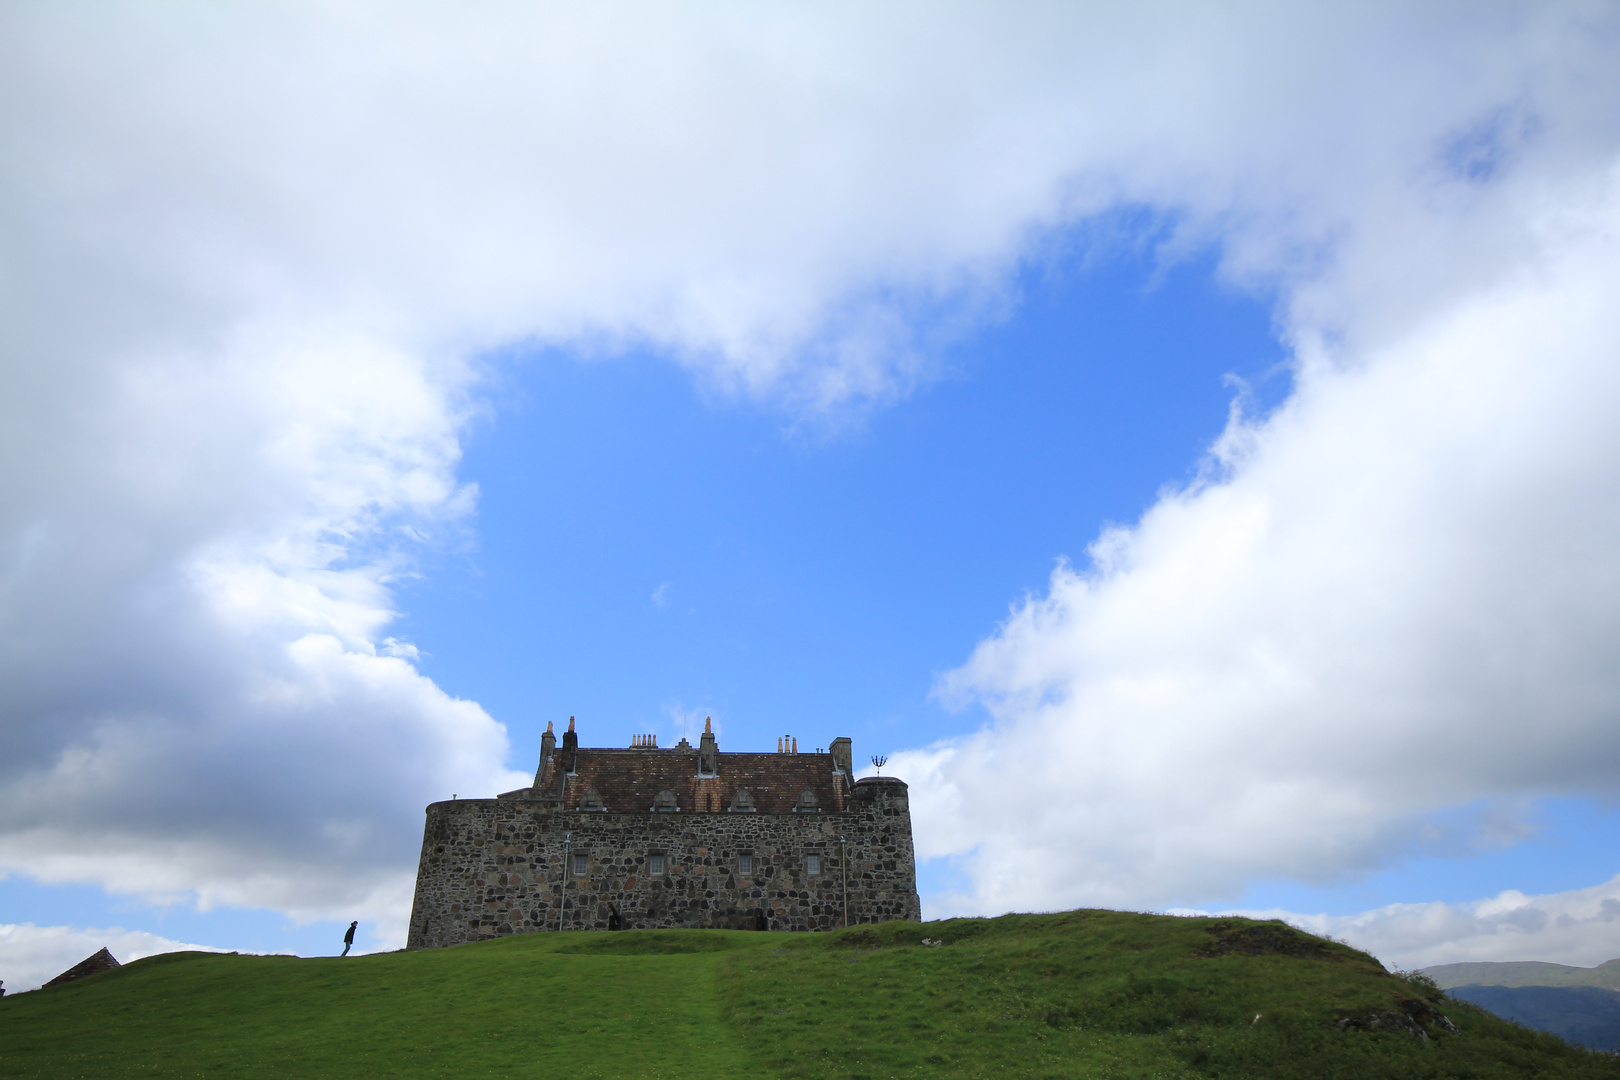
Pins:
x: 1396, y: 595
x: 1580, y: 927
x: 252, y: 251
x: 31, y: 956
x: 201, y: 707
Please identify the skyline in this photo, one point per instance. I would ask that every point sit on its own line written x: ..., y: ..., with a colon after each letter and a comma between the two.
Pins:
x: 1179, y: 440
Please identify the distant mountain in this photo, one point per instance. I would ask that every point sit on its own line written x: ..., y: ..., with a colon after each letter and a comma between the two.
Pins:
x: 1525, y: 973
x: 1586, y: 1015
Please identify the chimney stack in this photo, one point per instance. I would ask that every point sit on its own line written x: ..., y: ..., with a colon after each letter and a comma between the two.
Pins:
x: 843, y: 753
x: 708, y: 751
x: 570, y: 748
x: 548, y: 744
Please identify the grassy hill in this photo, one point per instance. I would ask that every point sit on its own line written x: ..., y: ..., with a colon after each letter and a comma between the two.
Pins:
x: 1085, y: 993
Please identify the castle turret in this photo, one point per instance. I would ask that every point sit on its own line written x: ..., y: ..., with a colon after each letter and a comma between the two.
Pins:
x: 708, y: 751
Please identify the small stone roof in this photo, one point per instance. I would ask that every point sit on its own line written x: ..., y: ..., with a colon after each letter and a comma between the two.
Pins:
x: 628, y: 781
x: 90, y: 965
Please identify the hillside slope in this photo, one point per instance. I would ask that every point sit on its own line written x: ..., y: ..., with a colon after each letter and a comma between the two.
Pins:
x: 1085, y: 993
x: 1587, y: 1015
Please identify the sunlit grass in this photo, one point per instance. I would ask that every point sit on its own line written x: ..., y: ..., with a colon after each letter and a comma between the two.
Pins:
x: 1078, y: 994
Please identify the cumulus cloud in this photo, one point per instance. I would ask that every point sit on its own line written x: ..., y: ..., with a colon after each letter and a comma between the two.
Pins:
x: 34, y: 955
x: 199, y: 709
x: 253, y: 255
x: 1580, y: 927
x: 1394, y: 596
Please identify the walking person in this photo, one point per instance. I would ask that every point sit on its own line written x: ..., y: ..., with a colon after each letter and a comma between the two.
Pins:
x: 348, y: 937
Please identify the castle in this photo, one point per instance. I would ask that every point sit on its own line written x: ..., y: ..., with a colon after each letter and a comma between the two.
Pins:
x: 679, y: 837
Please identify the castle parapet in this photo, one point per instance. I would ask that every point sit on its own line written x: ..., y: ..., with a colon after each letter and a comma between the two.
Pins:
x: 887, y: 792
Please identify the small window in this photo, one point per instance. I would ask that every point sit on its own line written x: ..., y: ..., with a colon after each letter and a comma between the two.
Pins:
x: 582, y: 863
x: 655, y: 865
x: 745, y: 864
x: 812, y: 865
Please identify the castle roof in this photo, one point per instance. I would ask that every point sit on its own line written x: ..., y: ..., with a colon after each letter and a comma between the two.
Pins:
x: 630, y: 780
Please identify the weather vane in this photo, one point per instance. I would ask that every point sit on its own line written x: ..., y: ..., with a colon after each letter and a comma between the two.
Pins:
x: 880, y: 760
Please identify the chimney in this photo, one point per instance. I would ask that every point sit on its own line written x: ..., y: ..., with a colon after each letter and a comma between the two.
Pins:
x: 548, y: 744
x: 708, y: 751
x: 843, y: 752
x: 570, y: 748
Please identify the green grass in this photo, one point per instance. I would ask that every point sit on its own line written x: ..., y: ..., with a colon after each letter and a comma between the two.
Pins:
x: 1081, y: 994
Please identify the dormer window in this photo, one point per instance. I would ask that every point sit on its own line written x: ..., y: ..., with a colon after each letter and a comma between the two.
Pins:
x: 742, y: 802
x: 808, y: 803
x: 591, y: 800
x: 665, y: 802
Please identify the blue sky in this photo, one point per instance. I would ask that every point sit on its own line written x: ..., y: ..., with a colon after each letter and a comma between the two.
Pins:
x: 1193, y: 470
x: 800, y: 566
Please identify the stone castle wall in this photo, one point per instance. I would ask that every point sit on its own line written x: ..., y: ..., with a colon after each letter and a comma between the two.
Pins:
x: 492, y: 867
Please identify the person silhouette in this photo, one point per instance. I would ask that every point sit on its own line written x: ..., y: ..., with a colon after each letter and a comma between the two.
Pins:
x: 348, y: 938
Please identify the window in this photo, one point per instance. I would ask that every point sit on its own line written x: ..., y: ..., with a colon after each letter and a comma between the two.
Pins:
x: 582, y: 863
x: 655, y: 865
x: 745, y: 864
x: 812, y: 865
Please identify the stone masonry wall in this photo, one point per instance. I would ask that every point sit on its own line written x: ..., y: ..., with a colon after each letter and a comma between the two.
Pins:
x: 492, y: 867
